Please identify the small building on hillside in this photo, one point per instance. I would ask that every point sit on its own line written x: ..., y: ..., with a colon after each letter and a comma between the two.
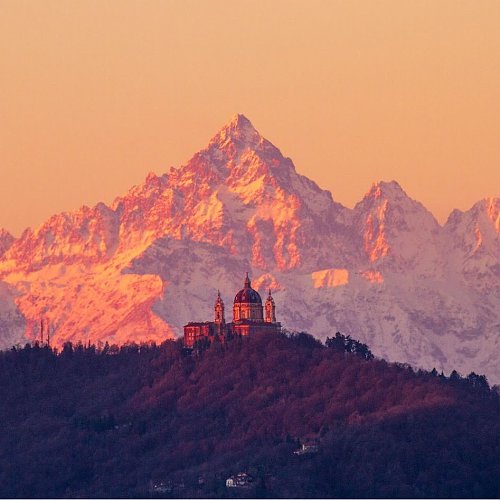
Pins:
x: 249, y: 317
x: 161, y: 487
x: 308, y: 446
x: 240, y: 480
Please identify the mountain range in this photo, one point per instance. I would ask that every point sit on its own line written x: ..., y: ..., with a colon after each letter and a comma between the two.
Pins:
x: 385, y: 272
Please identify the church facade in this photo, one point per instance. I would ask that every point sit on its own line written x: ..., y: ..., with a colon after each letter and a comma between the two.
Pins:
x: 249, y: 317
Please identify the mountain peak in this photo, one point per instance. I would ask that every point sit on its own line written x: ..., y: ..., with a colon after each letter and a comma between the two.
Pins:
x: 6, y: 240
x: 240, y: 121
x: 238, y: 130
x: 383, y: 193
x: 385, y: 189
x: 486, y: 210
x: 4, y: 233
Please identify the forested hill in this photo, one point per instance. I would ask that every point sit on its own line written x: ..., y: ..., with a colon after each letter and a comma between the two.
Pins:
x: 144, y: 421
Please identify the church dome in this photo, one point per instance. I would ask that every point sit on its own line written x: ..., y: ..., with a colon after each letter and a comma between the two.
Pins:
x: 247, y: 295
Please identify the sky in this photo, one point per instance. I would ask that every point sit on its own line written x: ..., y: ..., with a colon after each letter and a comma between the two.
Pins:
x: 96, y: 94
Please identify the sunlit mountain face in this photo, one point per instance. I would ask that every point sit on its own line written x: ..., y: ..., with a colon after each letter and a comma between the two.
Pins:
x: 385, y: 272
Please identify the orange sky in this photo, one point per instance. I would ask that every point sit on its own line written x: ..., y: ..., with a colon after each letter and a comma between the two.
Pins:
x: 95, y: 94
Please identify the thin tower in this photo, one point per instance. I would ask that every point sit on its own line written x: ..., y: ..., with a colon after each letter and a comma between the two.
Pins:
x: 41, y: 331
x: 44, y: 329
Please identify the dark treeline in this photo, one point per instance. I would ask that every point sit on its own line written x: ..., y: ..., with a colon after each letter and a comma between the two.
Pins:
x: 115, y: 422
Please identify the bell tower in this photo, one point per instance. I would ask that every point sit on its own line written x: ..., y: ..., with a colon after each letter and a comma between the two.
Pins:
x: 219, y: 310
x: 270, y: 309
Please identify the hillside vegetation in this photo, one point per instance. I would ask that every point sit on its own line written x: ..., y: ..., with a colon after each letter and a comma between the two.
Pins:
x: 118, y: 422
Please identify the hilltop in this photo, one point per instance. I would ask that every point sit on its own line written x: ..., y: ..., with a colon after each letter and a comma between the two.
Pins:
x: 117, y: 421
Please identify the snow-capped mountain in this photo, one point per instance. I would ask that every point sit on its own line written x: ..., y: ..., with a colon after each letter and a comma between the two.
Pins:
x: 385, y: 272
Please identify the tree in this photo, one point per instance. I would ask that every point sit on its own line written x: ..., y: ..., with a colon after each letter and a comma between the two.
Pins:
x: 347, y: 344
x: 478, y: 381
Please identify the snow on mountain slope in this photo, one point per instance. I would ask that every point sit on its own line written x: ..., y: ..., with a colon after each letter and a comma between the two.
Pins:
x: 12, y: 322
x: 192, y: 272
x: 398, y: 232
x: 83, y: 303
x: 241, y: 193
x: 384, y: 272
x: 474, y: 244
x: 86, y: 235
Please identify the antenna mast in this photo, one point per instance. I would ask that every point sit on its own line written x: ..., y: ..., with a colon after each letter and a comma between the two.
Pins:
x: 41, y: 331
x: 45, y: 328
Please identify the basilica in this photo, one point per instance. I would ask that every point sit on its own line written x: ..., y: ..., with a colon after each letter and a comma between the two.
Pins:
x: 249, y: 317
